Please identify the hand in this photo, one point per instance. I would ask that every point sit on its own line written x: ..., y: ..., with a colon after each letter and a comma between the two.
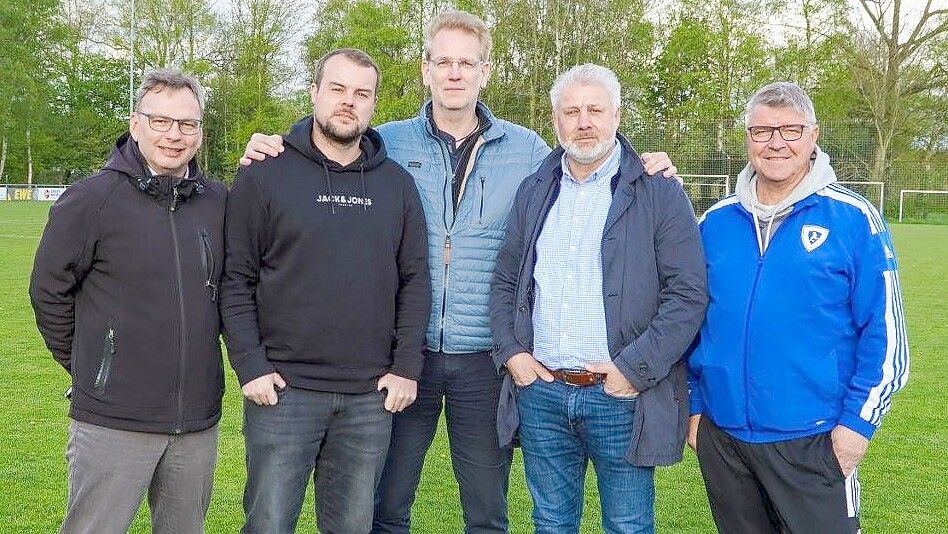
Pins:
x: 400, y: 392
x: 616, y: 383
x: 262, y: 390
x: 693, y: 431
x: 524, y: 369
x: 260, y: 146
x: 849, y: 447
x: 656, y: 162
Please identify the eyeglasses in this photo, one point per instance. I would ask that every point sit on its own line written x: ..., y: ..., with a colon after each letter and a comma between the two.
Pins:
x: 789, y: 132
x: 160, y: 123
x: 445, y: 64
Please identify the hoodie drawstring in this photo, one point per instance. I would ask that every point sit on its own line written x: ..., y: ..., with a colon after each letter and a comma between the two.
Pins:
x: 362, y: 177
x: 332, y: 202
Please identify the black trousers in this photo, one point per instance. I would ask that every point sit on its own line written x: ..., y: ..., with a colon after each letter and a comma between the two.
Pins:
x: 466, y: 387
x: 793, y: 486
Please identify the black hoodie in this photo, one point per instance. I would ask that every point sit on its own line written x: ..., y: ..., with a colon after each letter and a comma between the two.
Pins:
x: 124, y: 290
x: 326, y: 275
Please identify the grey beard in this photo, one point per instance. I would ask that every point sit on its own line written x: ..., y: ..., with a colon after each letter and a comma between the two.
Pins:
x: 590, y: 155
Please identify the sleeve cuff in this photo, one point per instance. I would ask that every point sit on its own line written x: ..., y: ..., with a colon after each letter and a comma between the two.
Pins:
x: 408, y: 366
x: 695, y: 404
x: 505, y: 352
x: 251, y: 365
x: 858, y: 425
x: 635, y: 369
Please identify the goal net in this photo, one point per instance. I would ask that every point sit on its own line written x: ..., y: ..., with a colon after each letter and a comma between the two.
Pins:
x: 925, y: 206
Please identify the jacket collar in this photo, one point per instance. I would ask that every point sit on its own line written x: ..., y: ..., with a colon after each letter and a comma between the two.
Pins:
x: 494, y: 131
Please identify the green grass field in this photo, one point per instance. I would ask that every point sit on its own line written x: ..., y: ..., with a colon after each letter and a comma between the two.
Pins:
x: 903, y: 477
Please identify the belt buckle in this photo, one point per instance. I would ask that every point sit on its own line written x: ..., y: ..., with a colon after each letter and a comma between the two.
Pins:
x: 577, y: 378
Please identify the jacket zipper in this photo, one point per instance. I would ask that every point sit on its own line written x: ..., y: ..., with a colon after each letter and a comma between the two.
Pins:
x: 447, y: 240
x: 179, y: 390
x: 108, y: 353
x: 444, y: 293
x: 750, y: 309
x: 207, y: 261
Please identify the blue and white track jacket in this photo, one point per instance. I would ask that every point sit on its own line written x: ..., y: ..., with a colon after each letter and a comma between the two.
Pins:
x: 807, y: 335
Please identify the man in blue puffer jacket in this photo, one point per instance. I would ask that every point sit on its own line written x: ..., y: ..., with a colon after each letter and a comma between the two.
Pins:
x: 467, y: 165
x: 804, y: 341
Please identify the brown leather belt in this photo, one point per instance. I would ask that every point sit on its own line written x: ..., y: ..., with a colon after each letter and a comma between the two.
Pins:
x: 577, y: 377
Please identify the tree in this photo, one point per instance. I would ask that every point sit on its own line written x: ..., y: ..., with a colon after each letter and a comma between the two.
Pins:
x: 897, y: 65
x: 249, y: 71
x: 27, y: 29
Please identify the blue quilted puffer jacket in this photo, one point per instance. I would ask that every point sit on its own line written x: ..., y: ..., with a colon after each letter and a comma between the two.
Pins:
x: 463, y: 246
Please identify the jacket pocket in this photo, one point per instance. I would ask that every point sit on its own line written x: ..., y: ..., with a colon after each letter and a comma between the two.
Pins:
x: 480, y: 211
x: 208, y: 263
x: 108, y: 354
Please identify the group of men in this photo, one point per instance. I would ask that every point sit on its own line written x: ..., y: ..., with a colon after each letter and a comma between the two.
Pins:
x: 368, y: 279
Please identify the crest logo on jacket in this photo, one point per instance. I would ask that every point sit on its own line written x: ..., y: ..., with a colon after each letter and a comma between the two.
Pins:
x: 813, y: 236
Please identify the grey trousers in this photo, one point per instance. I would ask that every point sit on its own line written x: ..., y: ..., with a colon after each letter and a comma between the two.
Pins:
x: 109, y: 471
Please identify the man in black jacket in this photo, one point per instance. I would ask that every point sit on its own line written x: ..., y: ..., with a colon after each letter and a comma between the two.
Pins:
x: 124, y: 288
x: 325, y: 301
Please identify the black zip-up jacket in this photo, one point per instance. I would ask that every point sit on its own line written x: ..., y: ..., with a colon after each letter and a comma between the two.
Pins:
x: 124, y: 288
x: 326, y: 278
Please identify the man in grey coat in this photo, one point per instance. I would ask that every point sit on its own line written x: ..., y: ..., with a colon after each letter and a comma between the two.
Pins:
x: 599, y: 289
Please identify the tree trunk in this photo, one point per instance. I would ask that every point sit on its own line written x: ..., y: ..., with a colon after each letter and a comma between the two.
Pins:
x: 880, y: 160
x: 3, y: 158
x: 29, y: 158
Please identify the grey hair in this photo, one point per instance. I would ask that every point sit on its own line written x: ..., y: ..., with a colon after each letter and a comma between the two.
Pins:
x: 587, y: 74
x: 158, y: 79
x: 782, y: 95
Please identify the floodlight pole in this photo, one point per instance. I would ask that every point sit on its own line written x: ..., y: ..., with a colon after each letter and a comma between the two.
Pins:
x: 131, y: 61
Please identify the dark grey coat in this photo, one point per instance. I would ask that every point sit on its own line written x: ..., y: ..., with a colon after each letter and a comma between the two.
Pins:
x: 654, y: 289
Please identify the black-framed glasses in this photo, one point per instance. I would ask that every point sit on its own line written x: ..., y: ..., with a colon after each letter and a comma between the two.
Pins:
x: 789, y: 132
x: 160, y: 123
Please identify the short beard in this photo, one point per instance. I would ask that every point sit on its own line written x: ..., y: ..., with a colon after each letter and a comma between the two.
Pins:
x: 334, y: 134
x: 589, y: 155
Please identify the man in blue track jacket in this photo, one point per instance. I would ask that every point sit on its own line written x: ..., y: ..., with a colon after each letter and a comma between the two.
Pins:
x: 804, y: 341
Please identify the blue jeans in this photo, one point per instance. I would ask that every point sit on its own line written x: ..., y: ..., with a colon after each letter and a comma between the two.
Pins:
x: 468, y: 386
x: 339, y: 439
x: 562, y: 427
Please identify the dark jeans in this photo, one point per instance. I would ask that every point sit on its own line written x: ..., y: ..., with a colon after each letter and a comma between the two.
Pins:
x: 469, y: 386
x: 339, y: 439
x: 785, y: 487
x: 562, y: 428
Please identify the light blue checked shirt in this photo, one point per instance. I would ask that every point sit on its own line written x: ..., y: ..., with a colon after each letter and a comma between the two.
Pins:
x: 569, y: 317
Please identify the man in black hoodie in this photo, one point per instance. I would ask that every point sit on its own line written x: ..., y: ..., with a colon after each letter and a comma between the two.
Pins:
x: 325, y: 301
x: 124, y: 288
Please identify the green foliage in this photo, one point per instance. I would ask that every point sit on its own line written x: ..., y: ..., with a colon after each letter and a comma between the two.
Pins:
x: 686, y: 70
x: 27, y: 29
